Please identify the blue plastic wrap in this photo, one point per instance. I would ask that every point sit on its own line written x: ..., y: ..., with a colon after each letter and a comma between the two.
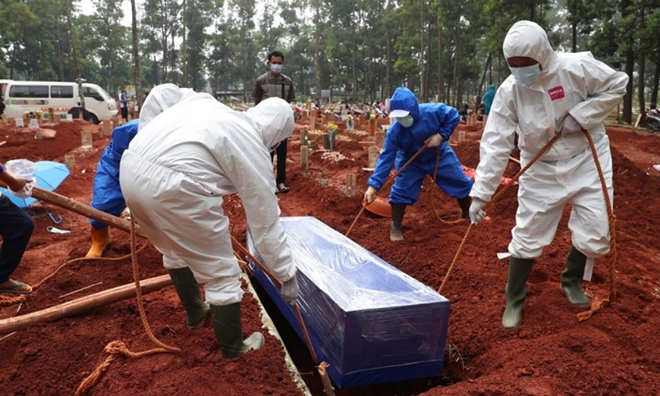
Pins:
x: 371, y: 322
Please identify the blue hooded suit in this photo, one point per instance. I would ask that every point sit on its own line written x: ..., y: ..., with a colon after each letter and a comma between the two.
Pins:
x: 107, y: 196
x: 402, y: 143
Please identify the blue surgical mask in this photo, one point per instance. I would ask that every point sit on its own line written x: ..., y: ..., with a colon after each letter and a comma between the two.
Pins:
x: 276, y: 68
x: 406, y: 121
x: 526, y: 75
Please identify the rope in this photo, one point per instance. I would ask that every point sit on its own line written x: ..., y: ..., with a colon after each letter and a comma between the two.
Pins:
x: 387, y: 182
x: 597, y: 305
x: 117, y: 348
x: 496, y: 197
x: 8, y: 301
x: 277, y: 282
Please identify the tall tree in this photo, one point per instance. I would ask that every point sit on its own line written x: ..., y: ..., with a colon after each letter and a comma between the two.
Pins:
x: 137, y: 79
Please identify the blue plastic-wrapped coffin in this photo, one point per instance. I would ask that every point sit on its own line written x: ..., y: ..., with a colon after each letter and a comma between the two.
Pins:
x: 371, y: 322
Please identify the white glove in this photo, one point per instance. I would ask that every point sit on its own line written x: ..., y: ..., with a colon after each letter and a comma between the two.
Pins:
x: 290, y: 290
x: 434, y: 141
x: 370, y: 195
x: 476, y: 214
x: 569, y: 125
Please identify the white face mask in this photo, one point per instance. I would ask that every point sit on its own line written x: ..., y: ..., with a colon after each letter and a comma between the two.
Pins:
x: 526, y: 75
x: 406, y: 121
x: 275, y: 68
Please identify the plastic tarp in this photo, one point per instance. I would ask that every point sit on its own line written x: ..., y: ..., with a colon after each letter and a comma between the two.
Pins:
x: 371, y: 322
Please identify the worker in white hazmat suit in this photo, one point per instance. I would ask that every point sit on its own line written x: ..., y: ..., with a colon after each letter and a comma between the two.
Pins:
x: 549, y: 93
x: 174, y: 175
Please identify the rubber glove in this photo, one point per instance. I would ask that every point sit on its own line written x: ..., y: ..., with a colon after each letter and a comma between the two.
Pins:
x: 290, y: 290
x: 569, y: 125
x: 370, y: 195
x: 434, y: 141
x: 476, y: 213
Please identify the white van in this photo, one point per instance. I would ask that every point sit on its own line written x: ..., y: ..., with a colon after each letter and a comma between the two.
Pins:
x: 22, y: 96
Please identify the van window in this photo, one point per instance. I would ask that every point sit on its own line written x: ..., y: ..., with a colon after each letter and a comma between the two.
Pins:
x: 28, y: 91
x: 61, y: 91
x: 91, y: 93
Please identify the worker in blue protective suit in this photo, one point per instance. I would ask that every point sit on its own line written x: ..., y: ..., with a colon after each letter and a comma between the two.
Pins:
x: 416, y: 126
x: 107, y: 196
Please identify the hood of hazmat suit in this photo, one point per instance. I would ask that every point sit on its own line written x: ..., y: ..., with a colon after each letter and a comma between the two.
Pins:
x: 402, y: 143
x: 180, y: 165
x: 161, y: 98
x: 570, y: 83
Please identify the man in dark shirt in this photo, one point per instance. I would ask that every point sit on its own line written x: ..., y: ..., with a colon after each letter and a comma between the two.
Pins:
x: 275, y: 84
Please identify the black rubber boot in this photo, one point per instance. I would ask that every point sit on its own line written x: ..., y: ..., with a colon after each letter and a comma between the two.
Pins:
x: 516, y: 291
x: 229, y: 331
x: 464, y: 204
x: 571, y: 277
x: 396, y: 233
x: 191, y: 298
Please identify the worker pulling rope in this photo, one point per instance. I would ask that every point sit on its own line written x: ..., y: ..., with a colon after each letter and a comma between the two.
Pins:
x: 296, y: 309
x: 387, y: 183
x: 118, y: 348
x: 435, y: 175
x: 612, y: 293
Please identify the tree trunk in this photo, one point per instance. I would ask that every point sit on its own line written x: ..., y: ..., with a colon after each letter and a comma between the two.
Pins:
x: 656, y: 82
x: 427, y: 76
x: 137, y: 79
x: 317, y: 50
x: 483, y: 76
x: 630, y: 67
x: 441, y: 81
x: 574, y: 25
x: 457, y: 41
x: 76, y: 63
x: 532, y: 10
x: 641, y: 68
x: 388, y: 90
x: 422, y: 83
x: 60, y: 58
x: 183, y: 47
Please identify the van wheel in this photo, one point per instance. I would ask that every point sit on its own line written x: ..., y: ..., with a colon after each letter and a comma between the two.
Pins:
x: 94, y: 119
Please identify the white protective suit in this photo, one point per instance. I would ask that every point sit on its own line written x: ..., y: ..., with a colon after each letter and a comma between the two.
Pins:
x: 161, y: 98
x: 575, y: 84
x: 176, y: 171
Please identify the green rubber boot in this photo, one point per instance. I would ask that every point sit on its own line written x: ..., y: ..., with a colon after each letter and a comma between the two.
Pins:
x: 464, y: 204
x: 229, y: 331
x: 396, y: 233
x: 188, y: 290
x: 571, y: 277
x: 516, y: 291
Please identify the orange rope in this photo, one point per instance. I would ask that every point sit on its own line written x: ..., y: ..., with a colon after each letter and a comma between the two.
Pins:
x: 296, y: 309
x: 117, y: 348
x: 596, y: 305
x: 497, y: 196
x: 387, y: 182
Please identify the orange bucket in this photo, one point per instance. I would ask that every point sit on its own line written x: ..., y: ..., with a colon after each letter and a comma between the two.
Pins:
x: 380, y: 207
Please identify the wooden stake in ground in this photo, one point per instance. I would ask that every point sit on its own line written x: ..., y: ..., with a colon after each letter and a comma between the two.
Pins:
x: 70, y: 161
x: 304, y: 157
x: 351, y: 187
x: 461, y: 136
x: 107, y: 129
x: 57, y: 118
x: 312, y: 121
x: 372, y: 126
x: 83, y: 304
x: 4, y: 119
x: 374, y: 152
x: 380, y: 139
x: 86, y: 137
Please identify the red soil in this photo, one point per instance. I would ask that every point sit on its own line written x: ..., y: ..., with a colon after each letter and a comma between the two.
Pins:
x: 615, y: 352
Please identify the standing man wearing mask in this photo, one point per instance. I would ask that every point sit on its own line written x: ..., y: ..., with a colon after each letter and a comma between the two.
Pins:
x: 274, y: 84
x: 416, y: 125
x: 549, y: 93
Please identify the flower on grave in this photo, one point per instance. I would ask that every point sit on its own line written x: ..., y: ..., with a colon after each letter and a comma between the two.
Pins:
x: 332, y: 127
x: 38, y: 114
x: 27, y: 114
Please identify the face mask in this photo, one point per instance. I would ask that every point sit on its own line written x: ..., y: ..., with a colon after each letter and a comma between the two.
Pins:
x: 275, y: 68
x: 526, y: 75
x: 406, y: 121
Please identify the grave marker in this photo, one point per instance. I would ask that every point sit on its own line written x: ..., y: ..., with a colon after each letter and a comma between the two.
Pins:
x: 350, y: 185
x: 374, y: 152
x: 304, y: 157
